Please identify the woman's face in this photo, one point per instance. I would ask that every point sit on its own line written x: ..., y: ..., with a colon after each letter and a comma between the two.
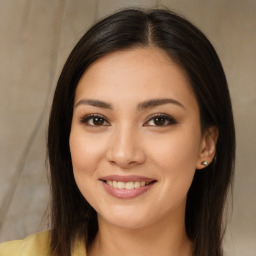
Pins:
x: 135, y: 138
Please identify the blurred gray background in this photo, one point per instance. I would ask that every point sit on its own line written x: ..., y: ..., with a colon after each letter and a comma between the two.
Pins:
x: 36, y: 38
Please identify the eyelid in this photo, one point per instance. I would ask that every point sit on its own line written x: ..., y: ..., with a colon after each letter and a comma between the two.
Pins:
x: 86, y: 118
x: 171, y: 119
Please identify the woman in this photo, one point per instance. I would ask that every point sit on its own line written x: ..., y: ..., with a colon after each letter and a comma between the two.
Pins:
x: 141, y: 143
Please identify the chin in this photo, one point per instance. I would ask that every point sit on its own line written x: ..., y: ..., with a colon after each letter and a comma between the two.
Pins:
x: 127, y: 223
x: 125, y: 220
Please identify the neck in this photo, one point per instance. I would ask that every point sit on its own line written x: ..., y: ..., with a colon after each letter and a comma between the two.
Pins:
x: 163, y: 238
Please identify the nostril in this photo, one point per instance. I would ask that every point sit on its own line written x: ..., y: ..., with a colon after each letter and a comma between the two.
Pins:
x: 125, y: 153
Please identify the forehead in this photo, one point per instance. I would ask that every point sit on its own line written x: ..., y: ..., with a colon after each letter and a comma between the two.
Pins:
x: 135, y: 75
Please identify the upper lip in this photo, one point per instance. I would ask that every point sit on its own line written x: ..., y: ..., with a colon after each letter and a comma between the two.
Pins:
x: 126, y: 178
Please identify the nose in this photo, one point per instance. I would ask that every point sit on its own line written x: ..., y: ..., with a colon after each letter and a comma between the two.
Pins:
x: 125, y: 148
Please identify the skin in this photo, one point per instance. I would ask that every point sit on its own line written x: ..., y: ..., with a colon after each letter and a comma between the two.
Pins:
x: 128, y: 140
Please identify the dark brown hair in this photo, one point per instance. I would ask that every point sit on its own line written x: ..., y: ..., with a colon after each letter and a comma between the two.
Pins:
x: 71, y: 215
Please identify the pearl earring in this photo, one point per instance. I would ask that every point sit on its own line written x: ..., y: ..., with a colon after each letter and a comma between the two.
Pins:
x: 204, y: 163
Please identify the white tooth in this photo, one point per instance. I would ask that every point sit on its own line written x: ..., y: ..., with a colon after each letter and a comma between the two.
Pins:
x: 137, y: 184
x: 107, y: 182
x: 120, y: 184
x: 129, y: 185
x: 115, y: 184
x: 142, y: 183
x: 110, y: 183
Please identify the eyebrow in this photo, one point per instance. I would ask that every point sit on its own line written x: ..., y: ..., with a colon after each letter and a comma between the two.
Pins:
x: 158, y: 102
x: 141, y: 106
x: 95, y: 103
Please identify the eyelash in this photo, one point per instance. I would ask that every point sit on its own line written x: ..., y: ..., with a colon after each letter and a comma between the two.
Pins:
x: 170, y: 120
x: 86, y: 119
x: 166, y: 118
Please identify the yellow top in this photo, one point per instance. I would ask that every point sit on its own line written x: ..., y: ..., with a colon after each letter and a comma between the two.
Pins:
x: 35, y: 245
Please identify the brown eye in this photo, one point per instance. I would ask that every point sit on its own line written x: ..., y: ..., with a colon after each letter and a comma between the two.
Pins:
x: 160, y: 120
x: 98, y: 121
x: 95, y: 120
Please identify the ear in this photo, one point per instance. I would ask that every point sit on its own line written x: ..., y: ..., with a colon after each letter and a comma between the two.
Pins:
x: 207, y: 147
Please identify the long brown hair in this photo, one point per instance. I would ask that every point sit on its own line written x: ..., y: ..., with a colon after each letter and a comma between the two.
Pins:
x: 71, y: 215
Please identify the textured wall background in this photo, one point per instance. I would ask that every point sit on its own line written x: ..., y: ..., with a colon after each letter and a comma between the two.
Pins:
x: 37, y: 36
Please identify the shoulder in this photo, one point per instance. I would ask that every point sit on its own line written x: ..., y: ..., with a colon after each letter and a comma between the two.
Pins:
x: 37, y: 244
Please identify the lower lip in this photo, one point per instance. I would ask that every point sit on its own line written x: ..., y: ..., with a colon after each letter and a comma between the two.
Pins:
x: 126, y: 193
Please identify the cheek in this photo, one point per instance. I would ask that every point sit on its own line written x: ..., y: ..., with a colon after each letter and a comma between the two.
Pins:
x: 179, y: 149
x: 86, y: 155
x: 85, y: 152
x: 176, y: 159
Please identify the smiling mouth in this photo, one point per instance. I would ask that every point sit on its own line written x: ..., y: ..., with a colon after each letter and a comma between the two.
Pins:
x: 128, y: 185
